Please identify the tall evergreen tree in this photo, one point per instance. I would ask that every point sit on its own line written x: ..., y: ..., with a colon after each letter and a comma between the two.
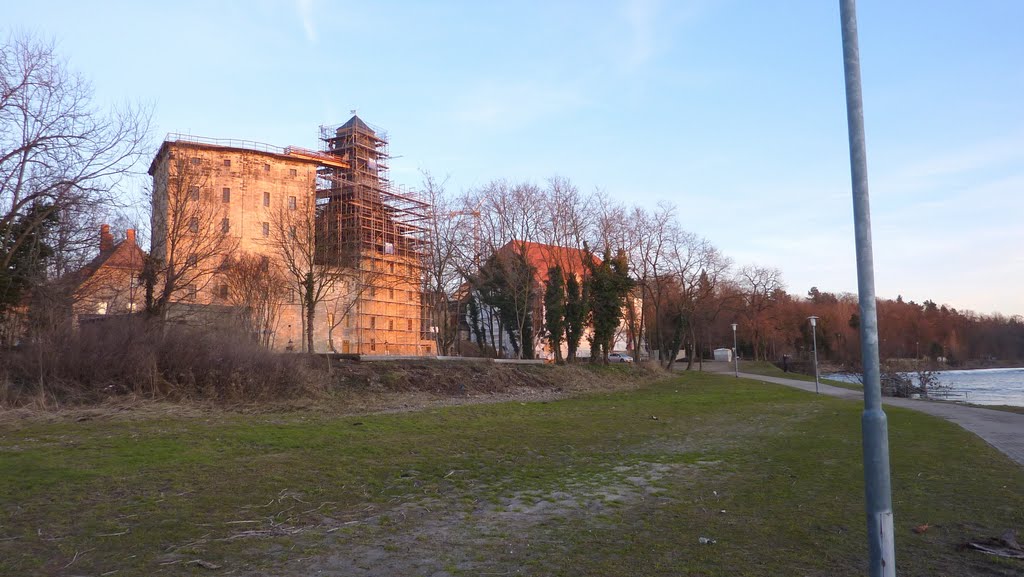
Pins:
x: 575, y: 315
x: 505, y: 283
x: 610, y: 283
x: 554, y: 310
x: 25, y: 250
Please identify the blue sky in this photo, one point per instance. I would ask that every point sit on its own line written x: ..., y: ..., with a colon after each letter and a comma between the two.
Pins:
x: 732, y: 110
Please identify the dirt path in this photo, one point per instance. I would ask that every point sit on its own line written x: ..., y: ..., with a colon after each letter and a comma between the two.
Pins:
x: 1001, y: 429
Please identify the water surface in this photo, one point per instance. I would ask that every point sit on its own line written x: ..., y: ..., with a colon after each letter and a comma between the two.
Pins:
x: 980, y: 386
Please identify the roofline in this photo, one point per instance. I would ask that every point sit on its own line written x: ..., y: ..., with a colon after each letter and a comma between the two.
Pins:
x: 228, y: 144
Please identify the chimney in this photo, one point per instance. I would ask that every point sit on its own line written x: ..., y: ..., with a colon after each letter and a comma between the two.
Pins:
x: 106, y: 239
x: 130, y: 234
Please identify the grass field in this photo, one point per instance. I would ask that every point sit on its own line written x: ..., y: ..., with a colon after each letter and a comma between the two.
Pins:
x: 610, y: 484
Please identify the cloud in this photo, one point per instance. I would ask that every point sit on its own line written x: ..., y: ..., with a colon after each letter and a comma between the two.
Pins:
x: 641, y: 18
x: 650, y: 27
x: 305, y: 10
x: 969, y: 164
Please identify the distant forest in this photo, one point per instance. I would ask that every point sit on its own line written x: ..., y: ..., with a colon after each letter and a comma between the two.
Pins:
x: 907, y: 330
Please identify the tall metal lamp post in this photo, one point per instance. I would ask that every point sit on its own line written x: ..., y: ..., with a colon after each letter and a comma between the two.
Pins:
x: 814, y: 339
x: 874, y: 424
x: 735, y: 351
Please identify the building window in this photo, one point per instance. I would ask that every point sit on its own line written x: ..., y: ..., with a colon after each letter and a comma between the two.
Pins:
x: 266, y: 168
x: 391, y: 266
x: 196, y: 161
x: 411, y: 297
x: 291, y: 232
x: 373, y: 344
x: 373, y: 292
x: 227, y: 162
x: 348, y: 322
x: 293, y: 172
x: 226, y: 195
x: 266, y: 229
x: 292, y: 203
x: 222, y: 290
x: 192, y: 292
x: 193, y: 224
x: 264, y: 263
x: 391, y: 293
x: 291, y: 296
x: 373, y: 322
x: 391, y: 324
x: 192, y: 260
x: 225, y: 225
x: 408, y: 324
x: 193, y: 193
x: 266, y: 199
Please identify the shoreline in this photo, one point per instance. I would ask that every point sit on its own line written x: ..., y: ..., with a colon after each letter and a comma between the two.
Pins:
x: 994, y: 386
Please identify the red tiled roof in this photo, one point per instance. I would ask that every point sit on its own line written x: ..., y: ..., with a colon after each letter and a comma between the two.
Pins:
x: 125, y: 255
x: 543, y: 256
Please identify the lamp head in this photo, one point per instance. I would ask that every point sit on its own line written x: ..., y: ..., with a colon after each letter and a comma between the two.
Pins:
x: 814, y: 320
x: 733, y: 326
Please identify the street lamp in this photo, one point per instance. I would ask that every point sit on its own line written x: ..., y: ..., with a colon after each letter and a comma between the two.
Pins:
x: 735, y: 357
x: 814, y: 338
x: 874, y: 424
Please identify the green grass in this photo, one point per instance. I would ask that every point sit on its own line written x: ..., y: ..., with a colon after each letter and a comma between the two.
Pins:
x: 147, y: 496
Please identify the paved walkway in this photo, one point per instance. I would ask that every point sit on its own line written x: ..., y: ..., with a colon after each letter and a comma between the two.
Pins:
x: 1001, y: 429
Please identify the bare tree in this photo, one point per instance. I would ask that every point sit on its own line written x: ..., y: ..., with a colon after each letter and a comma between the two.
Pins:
x: 568, y: 215
x: 346, y: 294
x: 257, y: 288
x: 510, y: 217
x: 191, y: 235
x: 449, y: 256
x: 316, y: 270
x: 709, y: 298
x: 652, y: 234
x: 692, y: 258
x: 759, y: 286
x: 60, y: 156
x: 611, y: 227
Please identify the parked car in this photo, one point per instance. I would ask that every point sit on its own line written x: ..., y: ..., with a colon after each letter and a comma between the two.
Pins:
x: 619, y: 358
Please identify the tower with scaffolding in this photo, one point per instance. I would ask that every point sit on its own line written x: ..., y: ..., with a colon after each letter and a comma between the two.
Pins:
x: 367, y: 224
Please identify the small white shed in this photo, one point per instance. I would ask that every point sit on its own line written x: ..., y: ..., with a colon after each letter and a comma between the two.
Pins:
x: 723, y: 355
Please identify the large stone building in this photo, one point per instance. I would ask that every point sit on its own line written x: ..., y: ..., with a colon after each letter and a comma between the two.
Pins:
x: 316, y: 222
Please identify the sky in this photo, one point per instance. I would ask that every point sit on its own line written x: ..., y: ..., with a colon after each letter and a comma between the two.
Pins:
x: 733, y: 110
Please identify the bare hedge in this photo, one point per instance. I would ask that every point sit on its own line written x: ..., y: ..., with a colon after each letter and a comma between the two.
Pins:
x: 154, y: 361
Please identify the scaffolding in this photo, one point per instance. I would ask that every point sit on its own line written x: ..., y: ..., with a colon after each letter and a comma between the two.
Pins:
x: 366, y: 223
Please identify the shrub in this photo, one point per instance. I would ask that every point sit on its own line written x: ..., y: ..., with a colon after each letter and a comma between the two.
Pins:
x: 150, y: 360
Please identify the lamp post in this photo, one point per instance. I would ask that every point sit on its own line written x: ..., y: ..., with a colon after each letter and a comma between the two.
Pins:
x: 874, y: 424
x: 735, y: 356
x: 814, y: 340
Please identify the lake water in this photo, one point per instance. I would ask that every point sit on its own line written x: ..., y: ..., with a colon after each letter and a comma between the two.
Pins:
x: 981, y: 386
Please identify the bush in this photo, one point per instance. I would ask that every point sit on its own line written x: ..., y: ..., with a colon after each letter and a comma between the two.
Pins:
x: 151, y: 360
